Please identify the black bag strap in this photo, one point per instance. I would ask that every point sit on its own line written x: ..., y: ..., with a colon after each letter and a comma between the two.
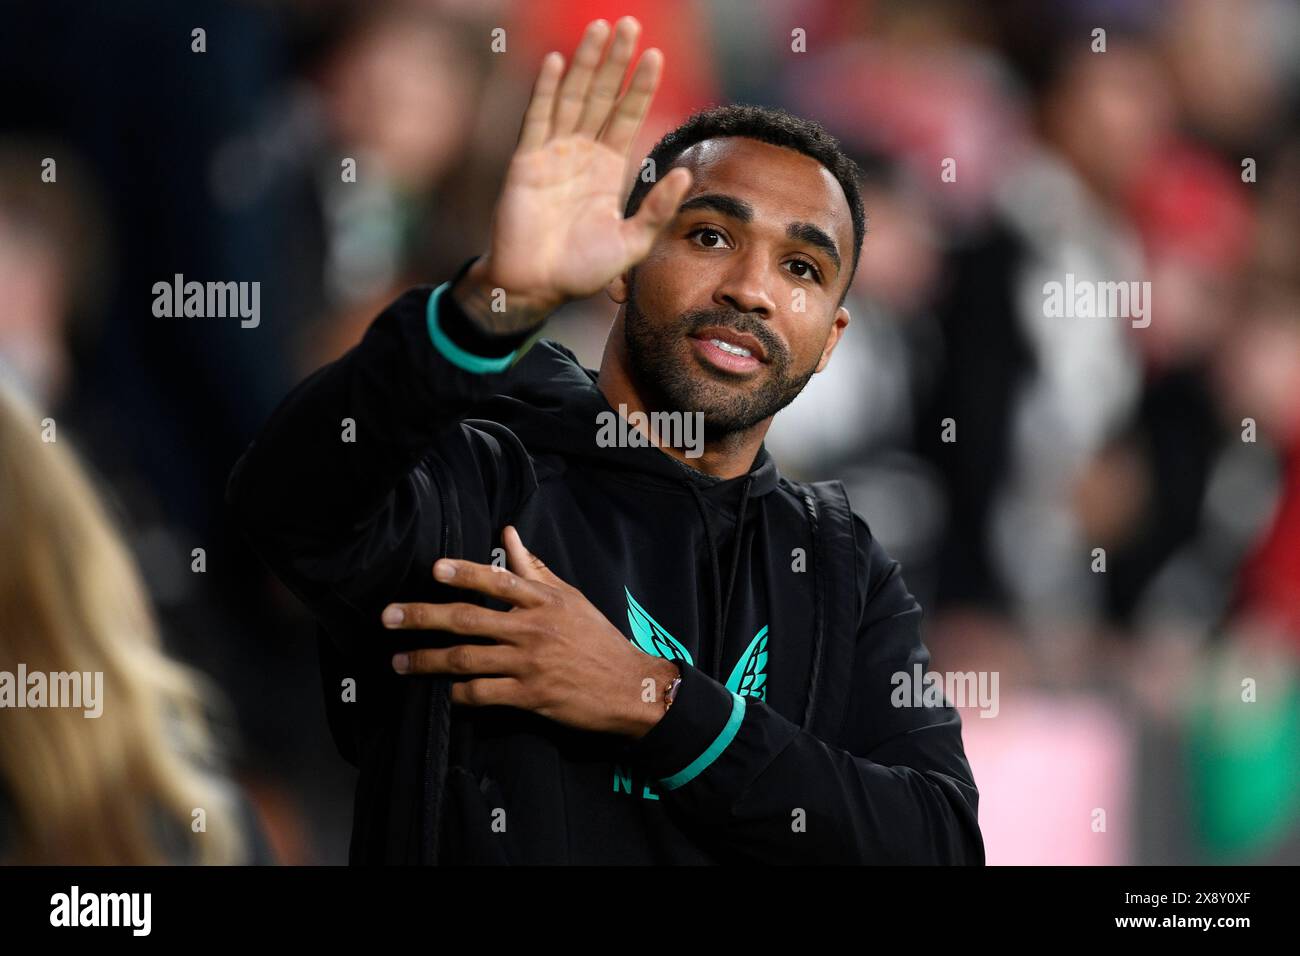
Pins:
x: 414, y: 817
x: 836, y: 604
x: 438, y: 733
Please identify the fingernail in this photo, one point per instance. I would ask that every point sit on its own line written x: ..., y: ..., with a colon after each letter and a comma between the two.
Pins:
x: 401, y: 663
x: 393, y: 615
x: 444, y: 570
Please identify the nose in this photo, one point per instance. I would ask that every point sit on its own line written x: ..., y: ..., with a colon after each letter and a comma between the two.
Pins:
x: 744, y: 286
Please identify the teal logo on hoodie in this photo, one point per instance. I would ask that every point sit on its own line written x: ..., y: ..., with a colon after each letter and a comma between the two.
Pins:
x: 748, y: 678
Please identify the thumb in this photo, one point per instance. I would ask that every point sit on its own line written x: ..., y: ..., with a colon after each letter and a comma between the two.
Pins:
x: 523, y: 562
x: 657, y: 210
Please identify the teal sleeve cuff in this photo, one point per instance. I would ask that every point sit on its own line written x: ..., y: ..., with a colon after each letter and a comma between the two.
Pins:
x: 703, y: 722
x: 453, y: 353
x: 711, y: 753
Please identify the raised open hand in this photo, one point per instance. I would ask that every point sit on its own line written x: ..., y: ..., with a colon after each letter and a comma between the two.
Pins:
x: 558, y: 231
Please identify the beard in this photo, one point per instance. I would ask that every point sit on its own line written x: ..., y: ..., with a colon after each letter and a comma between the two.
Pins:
x: 670, y: 377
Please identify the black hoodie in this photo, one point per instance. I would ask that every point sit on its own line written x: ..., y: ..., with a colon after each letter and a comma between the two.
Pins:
x: 788, y: 620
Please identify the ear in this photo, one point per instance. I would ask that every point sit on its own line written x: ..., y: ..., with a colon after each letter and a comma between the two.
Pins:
x: 833, y: 337
x: 617, y: 288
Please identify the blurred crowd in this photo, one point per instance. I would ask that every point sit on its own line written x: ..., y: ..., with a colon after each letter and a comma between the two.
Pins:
x: 1106, y: 514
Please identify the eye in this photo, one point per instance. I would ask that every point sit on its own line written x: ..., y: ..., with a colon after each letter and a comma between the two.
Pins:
x: 812, y: 272
x: 709, y: 234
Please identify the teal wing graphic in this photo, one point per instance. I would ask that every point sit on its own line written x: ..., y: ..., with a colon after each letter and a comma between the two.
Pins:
x: 648, y: 635
x: 749, y: 679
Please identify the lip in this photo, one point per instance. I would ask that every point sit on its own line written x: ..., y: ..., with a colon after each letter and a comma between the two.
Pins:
x: 724, y: 361
x: 733, y: 337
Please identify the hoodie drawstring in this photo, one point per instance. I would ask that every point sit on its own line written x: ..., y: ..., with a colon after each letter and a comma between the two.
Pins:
x: 731, y: 578
x: 713, y: 557
x: 721, y: 603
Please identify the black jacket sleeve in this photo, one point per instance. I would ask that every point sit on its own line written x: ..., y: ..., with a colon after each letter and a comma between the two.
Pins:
x: 338, y: 493
x: 899, y: 790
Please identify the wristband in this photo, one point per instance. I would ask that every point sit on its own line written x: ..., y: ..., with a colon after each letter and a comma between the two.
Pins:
x: 453, y: 353
x: 671, y: 693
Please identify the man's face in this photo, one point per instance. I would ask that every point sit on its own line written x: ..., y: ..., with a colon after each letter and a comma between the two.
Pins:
x: 756, y: 259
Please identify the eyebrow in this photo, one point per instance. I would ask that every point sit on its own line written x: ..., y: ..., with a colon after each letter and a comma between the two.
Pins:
x: 742, y: 211
x: 814, y: 236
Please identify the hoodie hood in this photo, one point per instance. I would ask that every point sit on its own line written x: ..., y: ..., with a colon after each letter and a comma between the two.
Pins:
x: 554, y: 405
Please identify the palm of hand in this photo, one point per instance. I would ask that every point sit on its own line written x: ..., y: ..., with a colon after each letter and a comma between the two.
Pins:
x: 560, y: 220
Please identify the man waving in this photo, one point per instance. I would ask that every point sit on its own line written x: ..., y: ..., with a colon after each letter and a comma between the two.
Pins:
x: 571, y: 651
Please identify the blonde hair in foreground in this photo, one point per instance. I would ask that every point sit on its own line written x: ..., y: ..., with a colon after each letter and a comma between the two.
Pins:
x: 93, y: 790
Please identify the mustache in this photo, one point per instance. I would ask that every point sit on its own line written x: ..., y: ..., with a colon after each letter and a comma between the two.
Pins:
x: 745, y: 322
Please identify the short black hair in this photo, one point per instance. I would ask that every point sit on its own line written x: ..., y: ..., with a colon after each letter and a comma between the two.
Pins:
x: 767, y: 125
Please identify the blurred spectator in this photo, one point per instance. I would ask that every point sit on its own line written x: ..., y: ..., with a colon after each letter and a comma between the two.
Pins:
x: 133, y: 784
x: 51, y: 267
